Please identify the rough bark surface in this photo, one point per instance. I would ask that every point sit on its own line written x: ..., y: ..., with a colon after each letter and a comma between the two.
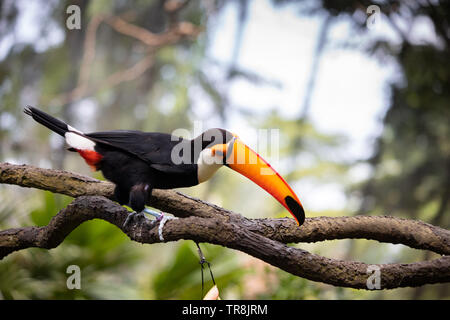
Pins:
x: 265, y: 239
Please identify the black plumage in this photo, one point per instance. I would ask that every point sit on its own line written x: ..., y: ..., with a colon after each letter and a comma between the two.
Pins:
x: 138, y: 162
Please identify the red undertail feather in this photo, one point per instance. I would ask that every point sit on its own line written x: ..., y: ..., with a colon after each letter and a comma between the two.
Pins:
x: 92, y: 158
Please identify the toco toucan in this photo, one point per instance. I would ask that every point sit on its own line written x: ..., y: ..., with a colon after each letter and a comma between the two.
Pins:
x: 138, y: 162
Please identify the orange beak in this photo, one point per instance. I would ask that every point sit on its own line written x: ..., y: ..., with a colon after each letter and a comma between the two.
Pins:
x: 247, y: 162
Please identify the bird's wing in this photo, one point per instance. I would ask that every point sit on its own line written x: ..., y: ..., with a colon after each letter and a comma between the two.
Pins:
x: 152, y: 147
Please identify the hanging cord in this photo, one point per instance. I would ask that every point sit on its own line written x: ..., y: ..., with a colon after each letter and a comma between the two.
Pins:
x: 202, y: 262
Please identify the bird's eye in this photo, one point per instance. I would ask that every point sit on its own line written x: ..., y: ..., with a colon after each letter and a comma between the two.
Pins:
x: 218, y: 150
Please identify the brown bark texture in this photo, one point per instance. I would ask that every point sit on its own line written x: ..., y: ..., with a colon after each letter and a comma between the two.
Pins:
x: 267, y: 239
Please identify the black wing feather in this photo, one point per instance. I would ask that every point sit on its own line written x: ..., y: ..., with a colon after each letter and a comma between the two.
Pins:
x: 152, y: 147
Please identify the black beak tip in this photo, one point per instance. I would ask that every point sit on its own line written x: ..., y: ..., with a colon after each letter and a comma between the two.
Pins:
x: 296, y: 209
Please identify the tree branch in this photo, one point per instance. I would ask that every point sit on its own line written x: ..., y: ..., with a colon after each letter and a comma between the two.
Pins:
x: 262, y: 238
x: 176, y: 32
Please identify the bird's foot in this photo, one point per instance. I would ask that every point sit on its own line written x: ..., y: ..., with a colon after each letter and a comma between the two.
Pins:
x: 160, y: 218
x: 132, y: 216
x: 157, y: 215
x: 162, y: 221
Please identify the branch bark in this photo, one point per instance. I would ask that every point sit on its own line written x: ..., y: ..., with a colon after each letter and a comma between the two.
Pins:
x: 265, y: 239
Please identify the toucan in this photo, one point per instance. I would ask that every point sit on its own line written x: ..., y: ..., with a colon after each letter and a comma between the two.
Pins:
x: 138, y: 162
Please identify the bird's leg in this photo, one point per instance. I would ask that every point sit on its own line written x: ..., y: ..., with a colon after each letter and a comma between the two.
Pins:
x: 138, y: 198
x: 202, y: 262
x: 121, y: 195
x: 131, y: 216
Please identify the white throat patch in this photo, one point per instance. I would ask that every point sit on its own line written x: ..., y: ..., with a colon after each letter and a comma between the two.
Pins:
x: 207, y: 165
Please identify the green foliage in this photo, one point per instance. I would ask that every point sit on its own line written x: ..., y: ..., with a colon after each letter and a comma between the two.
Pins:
x: 181, y: 277
x: 289, y: 287
x: 103, y: 253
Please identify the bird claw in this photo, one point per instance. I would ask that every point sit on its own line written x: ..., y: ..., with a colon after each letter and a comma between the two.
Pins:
x: 158, y: 215
x: 129, y: 217
x: 132, y: 216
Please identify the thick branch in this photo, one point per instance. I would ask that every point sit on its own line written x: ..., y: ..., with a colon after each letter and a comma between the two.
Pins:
x: 230, y: 234
x: 75, y: 185
x: 261, y: 238
x: 415, y: 234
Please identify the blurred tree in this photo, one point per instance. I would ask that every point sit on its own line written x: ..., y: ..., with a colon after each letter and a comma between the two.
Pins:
x: 99, y: 249
x: 411, y: 160
x: 109, y: 67
x: 88, y: 77
x: 104, y: 76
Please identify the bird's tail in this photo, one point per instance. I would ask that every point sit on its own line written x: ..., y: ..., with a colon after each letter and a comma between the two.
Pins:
x: 47, y: 120
x: 76, y: 139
